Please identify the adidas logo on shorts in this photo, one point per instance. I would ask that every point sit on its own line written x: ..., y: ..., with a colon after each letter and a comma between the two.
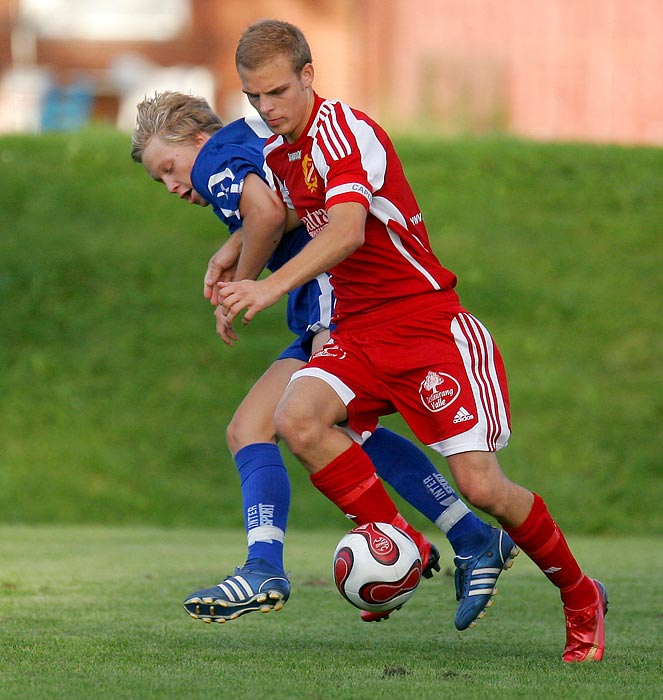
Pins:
x: 462, y: 416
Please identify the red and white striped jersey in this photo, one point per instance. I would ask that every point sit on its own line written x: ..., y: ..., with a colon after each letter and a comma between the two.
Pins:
x: 344, y: 156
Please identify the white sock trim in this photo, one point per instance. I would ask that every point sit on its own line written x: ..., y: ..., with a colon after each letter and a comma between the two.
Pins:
x: 452, y: 515
x: 265, y: 533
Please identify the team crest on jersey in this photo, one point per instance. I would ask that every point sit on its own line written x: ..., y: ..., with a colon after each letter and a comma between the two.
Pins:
x: 310, y: 176
x: 438, y: 390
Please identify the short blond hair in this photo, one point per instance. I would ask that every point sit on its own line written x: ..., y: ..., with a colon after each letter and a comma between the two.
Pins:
x: 264, y: 40
x: 173, y: 117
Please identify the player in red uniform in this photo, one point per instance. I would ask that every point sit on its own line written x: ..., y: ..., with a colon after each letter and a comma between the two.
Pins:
x: 403, y: 342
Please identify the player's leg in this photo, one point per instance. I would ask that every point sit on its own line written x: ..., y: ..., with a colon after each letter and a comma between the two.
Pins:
x: 338, y: 468
x: 406, y: 468
x: 306, y: 419
x: 261, y: 583
x: 264, y: 481
x: 525, y: 517
x: 429, y: 386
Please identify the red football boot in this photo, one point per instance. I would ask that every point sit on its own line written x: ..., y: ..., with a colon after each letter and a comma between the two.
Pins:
x: 585, y: 630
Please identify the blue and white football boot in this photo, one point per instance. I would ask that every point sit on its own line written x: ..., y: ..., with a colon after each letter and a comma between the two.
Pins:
x: 253, y: 588
x: 476, y: 577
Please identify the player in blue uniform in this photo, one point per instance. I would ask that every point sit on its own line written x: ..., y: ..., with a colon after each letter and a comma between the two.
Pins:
x: 183, y: 144
x: 218, y: 174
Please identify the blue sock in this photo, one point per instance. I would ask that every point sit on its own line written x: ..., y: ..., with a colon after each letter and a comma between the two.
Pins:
x: 266, y: 501
x: 414, y: 477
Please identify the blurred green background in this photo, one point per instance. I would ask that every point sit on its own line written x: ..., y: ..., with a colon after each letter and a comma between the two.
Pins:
x: 115, y: 391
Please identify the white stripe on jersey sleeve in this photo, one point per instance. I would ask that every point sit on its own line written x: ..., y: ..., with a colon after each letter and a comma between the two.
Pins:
x: 349, y: 187
x: 270, y: 146
x: 373, y: 153
x: 331, y: 144
x: 268, y: 174
x: 327, y: 129
x: 334, y: 138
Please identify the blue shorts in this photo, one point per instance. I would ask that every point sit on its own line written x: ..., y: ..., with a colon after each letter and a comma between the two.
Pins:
x: 309, y: 311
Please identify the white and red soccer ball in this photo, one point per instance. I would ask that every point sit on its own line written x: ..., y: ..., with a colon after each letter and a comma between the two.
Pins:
x: 376, y: 567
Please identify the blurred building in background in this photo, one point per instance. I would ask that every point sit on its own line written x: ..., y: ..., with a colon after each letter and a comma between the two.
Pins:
x: 585, y: 70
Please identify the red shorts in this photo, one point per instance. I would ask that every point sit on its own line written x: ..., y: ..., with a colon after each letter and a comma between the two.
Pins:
x: 432, y: 362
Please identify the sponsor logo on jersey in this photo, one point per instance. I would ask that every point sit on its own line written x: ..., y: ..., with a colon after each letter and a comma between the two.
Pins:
x: 310, y: 176
x: 416, y: 219
x: 438, y: 391
x: 315, y: 221
x: 297, y: 155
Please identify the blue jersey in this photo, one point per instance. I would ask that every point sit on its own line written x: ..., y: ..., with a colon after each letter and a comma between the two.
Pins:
x: 218, y: 176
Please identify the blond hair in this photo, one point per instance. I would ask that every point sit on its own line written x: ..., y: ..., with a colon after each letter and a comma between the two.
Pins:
x: 264, y: 40
x: 173, y: 117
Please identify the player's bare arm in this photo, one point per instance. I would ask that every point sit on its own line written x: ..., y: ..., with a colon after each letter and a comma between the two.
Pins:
x: 340, y: 238
x: 292, y: 220
x: 263, y: 218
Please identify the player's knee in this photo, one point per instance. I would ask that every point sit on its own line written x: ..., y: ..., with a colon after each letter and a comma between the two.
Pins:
x: 243, y: 431
x: 481, y: 481
x: 234, y: 435
x: 295, y: 427
x: 479, y: 496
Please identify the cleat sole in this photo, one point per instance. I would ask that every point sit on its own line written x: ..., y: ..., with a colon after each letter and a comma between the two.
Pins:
x: 249, y: 590
x: 272, y: 601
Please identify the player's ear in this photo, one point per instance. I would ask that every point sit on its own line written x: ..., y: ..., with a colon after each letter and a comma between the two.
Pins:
x: 307, y: 75
x: 200, y: 138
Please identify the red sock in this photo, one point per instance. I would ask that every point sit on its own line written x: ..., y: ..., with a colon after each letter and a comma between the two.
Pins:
x: 543, y: 542
x: 350, y: 482
x: 423, y: 545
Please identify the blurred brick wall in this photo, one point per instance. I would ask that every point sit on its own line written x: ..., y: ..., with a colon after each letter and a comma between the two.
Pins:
x: 546, y: 69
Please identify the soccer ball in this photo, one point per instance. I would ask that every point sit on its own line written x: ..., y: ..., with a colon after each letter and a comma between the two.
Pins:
x: 377, y: 567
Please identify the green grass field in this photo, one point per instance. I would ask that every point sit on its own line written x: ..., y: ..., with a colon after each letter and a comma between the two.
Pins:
x: 94, y: 612
x: 118, y: 495
x: 115, y: 391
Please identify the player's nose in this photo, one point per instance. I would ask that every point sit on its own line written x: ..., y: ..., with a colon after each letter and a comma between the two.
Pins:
x: 265, y: 105
x: 171, y: 185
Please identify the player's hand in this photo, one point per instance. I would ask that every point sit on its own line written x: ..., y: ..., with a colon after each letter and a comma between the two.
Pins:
x: 221, y: 267
x: 254, y: 296
x: 224, y: 327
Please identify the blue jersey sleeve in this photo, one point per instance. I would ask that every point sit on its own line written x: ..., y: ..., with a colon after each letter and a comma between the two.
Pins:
x: 221, y: 167
x: 218, y: 175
